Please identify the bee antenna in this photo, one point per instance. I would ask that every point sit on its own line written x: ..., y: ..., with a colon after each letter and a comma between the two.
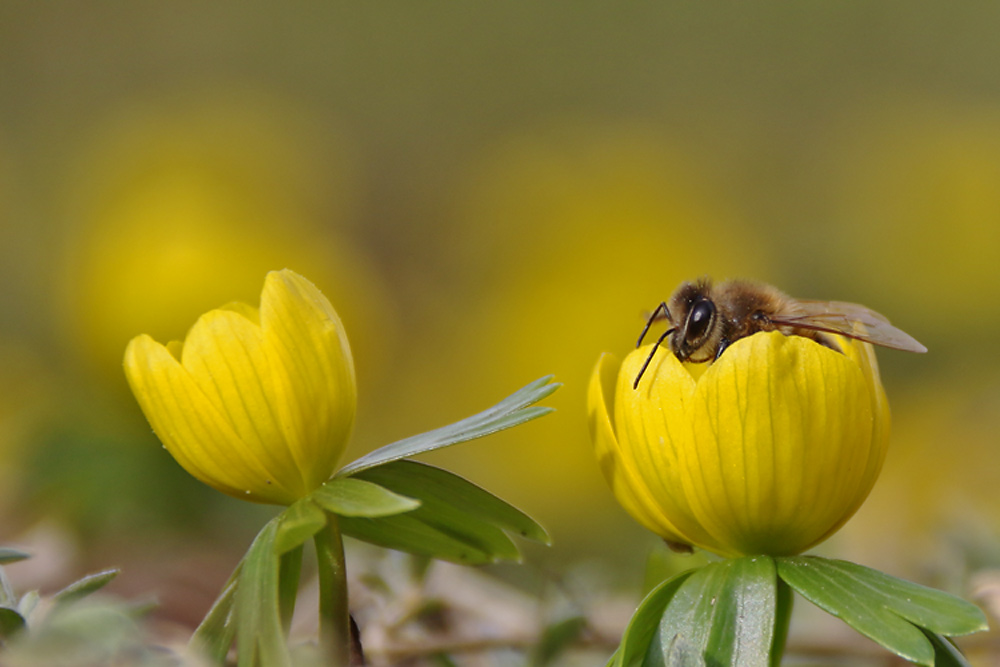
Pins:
x: 645, y: 365
x: 652, y: 318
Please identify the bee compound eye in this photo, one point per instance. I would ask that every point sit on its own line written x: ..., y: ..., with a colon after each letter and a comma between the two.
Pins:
x: 699, y: 320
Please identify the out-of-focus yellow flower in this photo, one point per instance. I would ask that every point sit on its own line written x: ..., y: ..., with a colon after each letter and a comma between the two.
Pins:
x: 179, y: 204
x: 258, y: 404
x: 582, y: 190
x: 769, y: 450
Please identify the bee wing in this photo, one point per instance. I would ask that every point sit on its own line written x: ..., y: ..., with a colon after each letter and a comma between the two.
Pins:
x: 849, y: 319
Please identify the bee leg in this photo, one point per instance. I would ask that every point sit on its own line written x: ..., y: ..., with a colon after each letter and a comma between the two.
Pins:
x: 659, y: 341
x: 723, y: 344
x: 662, y: 308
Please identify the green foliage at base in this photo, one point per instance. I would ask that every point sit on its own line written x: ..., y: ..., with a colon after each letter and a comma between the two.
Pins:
x: 901, y: 616
x: 735, y: 612
x: 382, y: 498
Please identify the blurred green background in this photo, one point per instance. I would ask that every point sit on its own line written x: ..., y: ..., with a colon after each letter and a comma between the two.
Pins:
x: 488, y: 193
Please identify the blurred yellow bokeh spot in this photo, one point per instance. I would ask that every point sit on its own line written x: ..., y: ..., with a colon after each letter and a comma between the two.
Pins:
x: 920, y: 208
x: 564, y: 235
x: 179, y: 207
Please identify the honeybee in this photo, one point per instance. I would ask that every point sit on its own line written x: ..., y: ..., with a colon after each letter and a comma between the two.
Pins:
x: 705, y: 319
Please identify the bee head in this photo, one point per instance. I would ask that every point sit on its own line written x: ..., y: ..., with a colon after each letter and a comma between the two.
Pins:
x: 697, y: 329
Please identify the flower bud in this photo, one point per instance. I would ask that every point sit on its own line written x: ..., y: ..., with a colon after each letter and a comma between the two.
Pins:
x: 768, y: 450
x: 258, y: 404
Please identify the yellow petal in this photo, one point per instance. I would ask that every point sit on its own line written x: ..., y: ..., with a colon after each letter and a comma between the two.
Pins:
x: 187, y: 423
x: 783, y: 435
x: 244, y: 309
x: 655, y: 433
x: 314, y: 368
x: 619, y: 471
x: 226, y: 356
x: 864, y: 355
x: 256, y: 403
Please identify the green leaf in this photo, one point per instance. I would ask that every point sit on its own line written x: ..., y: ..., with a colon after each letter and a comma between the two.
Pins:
x: 556, y: 638
x: 889, y: 611
x: 11, y: 622
x: 28, y: 602
x: 439, y: 490
x: 8, y: 555
x: 90, y: 632
x: 85, y: 586
x: 299, y: 522
x: 456, y: 521
x: 259, y: 636
x: 642, y: 627
x: 7, y: 596
x: 215, y: 633
x: 350, y: 496
x: 723, y: 614
x: 405, y: 532
x: 508, y: 413
x: 683, y: 653
x: 289, y: 572
x: 783, y: 618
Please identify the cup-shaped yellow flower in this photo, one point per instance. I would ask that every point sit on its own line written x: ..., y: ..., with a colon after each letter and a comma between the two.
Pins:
x: 769, y: 450
x: 257, y: 403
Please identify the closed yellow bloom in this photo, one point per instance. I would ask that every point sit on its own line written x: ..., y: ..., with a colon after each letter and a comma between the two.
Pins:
x: 258, y: 404
x: 769, y: 450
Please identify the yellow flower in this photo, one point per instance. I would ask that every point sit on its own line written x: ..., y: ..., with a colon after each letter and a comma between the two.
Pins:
x: 258, y: 404
x: 769, y: 450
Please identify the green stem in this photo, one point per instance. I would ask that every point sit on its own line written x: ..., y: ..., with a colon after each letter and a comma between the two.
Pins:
x: 334, y: 619
x: 782, y: 618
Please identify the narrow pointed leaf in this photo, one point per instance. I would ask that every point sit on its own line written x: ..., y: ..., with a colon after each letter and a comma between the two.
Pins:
x: 646, y: 619
x: 351, y: 496
x: 439, y: 489
x: 411, y: 533
x: 829, y: 590
x: 215, y: 633
x: 289, y: 573
x: 946, y: 654
x: 926, y: 607
x: 28, y: 602
x: 508, y: 413
x: 456, y: 521
x: 723, y: 614
x: 883, y: 608
x: 259, y: 636
x: 85, y: 586
x: 299, y: 522
x: 7, y: 596
x: 8, y: 555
